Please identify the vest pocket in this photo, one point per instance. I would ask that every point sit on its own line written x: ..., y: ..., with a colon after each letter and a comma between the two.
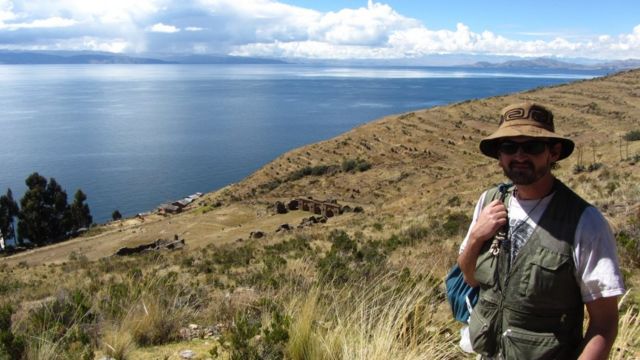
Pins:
x: 547, y: 276
x: 523, y: 344
x: 486, y: 269
x: 482, y: 332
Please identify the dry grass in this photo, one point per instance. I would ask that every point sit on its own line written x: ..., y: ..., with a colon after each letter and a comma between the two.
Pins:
x: 118, y: 343
x: 627, y: 345
x: 380, y: 321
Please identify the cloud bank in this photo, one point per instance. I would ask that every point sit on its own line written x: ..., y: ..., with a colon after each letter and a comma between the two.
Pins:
x: 268, y: 28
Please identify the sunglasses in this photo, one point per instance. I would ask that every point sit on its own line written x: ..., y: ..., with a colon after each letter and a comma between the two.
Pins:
x: 531, y: 147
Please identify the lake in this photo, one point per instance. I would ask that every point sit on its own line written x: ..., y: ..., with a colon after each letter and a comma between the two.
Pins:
x: 135, y: 136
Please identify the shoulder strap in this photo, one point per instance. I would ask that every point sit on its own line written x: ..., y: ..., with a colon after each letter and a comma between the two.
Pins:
x: 502, y: 191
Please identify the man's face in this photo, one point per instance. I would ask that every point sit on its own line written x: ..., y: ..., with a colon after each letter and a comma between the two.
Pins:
x: 526, y: 160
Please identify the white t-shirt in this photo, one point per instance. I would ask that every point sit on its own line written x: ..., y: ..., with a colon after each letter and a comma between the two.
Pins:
x: 594, y: 249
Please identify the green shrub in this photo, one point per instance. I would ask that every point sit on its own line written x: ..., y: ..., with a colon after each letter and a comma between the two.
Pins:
x: 310, y: 171
x: 454, y: 201
x: 298, y: 246
x: 243, y: 342
x: 629, y: 246
x: 350, y: 165
x: 633, y: 135
x: 229, y: 256
x: 455, y: 223
x: 364, y: 166
x: 11, y: 346
x: 594, y: 166
x: 61, y: 326
x: 270, y: 185
x: 346, y: 261
x: 415, y: 233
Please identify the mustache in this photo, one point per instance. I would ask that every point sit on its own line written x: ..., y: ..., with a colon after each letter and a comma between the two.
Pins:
x: 528, y: 163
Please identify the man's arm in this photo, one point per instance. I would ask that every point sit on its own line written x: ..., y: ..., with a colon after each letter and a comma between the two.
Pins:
x: 491, y: 218
x: 602, y: 329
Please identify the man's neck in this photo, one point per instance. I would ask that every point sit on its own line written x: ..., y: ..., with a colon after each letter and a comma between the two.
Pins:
x: 537, y: 190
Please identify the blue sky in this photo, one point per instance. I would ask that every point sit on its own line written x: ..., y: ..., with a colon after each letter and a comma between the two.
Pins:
x: 342, y: 30
x: 540, y: 19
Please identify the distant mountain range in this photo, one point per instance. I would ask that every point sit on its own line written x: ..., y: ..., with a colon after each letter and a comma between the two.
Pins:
x: 546, y: 63
x: 10, y: 57
x: 70, y: 57
x: 89, y: 57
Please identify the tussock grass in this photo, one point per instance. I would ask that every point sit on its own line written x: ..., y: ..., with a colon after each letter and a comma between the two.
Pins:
x: 385, y: 320
x: 627, y: 345
x: 118, y: 343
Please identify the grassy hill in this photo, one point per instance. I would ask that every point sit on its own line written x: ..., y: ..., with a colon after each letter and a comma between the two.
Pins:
x: 364, y: 285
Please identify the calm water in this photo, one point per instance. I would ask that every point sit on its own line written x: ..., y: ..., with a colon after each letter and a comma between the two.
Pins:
x: 134, y: 136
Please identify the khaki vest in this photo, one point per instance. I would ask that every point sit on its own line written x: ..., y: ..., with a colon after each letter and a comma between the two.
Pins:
x: 535, y: 310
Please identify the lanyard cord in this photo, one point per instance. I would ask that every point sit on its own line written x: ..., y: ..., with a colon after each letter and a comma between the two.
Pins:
x: 501, y: 235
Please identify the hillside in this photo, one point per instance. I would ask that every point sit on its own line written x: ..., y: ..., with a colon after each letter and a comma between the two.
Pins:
x: 422, y: 176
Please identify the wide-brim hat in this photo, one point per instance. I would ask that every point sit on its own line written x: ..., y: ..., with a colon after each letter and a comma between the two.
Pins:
x: 525, y: 119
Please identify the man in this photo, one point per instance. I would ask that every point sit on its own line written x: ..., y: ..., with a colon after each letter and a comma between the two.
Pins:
x: 539, y: 253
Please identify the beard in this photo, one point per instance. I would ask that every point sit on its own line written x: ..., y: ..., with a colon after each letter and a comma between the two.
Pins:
x: 524, y: 172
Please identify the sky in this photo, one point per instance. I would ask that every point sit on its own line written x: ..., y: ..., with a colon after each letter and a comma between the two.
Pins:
x: 327, y: 29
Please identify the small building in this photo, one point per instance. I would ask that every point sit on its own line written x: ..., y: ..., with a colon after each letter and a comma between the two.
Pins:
x: 182, y: 203
x: 324, y: 208
x: 169, y: 209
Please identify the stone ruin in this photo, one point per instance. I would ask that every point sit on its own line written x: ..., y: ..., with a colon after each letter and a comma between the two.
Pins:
x: 159, y: 244
x: 327, y: 208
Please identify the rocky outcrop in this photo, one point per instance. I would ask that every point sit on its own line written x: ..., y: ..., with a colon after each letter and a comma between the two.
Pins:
x: 159, y: 244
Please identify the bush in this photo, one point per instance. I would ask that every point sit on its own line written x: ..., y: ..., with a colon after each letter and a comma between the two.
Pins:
x: 11, y: 346
x: 347, y: 261
x: 247, y: 339
x: 310, y: 171
x: 350, y: 165
x: 60, y: 327
x: 299, y: 246
x: 633, y: 135
x: 629, y: 246
x: 455, y: 223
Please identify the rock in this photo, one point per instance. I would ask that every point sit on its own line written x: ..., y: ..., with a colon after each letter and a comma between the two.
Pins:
x: 256, y: 234
x: 280, y: 208
x: 312, y: 220
x: 185, y: 334
x: 358, y: 209
x: 193, y: 327
x: 284, y: 227
x: 346, y: 209
x: 187, y: 354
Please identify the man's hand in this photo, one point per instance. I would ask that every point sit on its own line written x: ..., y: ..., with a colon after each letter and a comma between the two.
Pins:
x: 602, y: 329
x: 491, y: 218
x: 489, y: 221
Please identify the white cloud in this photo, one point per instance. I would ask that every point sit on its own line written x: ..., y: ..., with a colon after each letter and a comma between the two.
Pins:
x: 270, y: 28
x: 53, y: 22
x: 162, y: 28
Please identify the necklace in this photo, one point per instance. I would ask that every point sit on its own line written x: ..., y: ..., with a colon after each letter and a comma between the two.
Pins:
x: 529, y: 213
x: 508, y: 244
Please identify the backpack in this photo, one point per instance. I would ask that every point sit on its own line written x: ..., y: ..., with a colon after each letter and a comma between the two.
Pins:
x: 460, y: 295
